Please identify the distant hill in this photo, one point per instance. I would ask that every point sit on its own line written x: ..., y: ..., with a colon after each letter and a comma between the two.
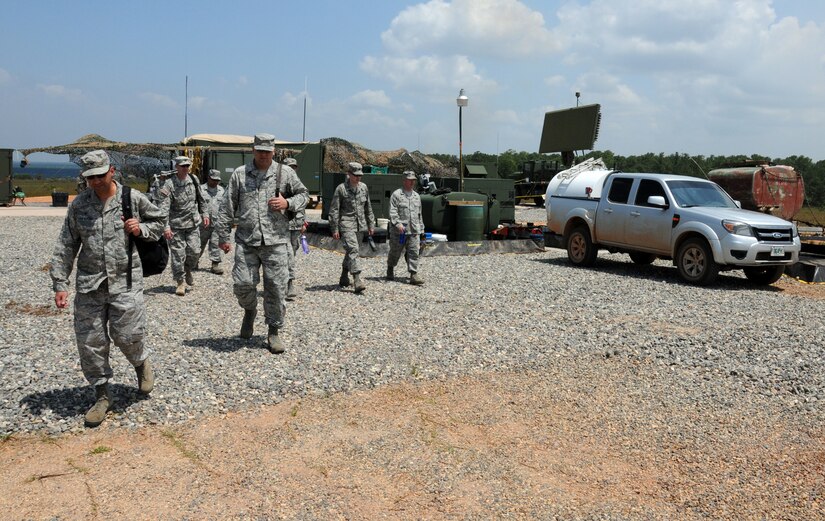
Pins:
x: 47, y: 169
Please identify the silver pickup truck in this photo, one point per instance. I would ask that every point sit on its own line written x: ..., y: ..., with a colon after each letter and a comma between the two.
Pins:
x: 689, y: 220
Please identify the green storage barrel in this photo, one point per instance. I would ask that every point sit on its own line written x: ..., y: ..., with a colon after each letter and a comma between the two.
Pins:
x: 469, y: 221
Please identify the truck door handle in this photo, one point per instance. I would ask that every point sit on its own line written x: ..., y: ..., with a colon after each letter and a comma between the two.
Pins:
x: 608, y: 210
x: 635, y: 214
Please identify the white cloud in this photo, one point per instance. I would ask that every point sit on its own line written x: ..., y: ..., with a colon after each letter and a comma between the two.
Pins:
x: 60, y: 91
x: 372, y: 98
x: 5, y: 77
x: 502, y: 28
x: 433, y: 76
x: 555, y: 81
x: 198, y: 102
x: 290, y: 100
x: 242, y: 81
x: 159, y: 100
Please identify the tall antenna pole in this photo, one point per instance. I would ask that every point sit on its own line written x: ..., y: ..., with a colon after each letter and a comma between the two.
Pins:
x: 304, y: 133
x: 186, y: 110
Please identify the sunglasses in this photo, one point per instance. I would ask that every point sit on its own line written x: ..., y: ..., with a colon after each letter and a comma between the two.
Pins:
x: 98, y: 176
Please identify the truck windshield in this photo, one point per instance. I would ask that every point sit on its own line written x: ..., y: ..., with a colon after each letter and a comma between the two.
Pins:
x: 693, y: 193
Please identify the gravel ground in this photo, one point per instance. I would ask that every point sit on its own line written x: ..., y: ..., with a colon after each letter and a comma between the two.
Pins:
x: 474, y: 315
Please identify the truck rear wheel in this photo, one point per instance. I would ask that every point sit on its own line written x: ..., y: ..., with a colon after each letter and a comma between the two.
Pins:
x: 642, y: 258
x: 764, y: 275
x: 580, y: 248
x: 695, y: 262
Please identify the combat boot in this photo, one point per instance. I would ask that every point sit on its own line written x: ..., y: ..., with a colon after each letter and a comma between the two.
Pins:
x: 216, y: 268
x: 181, y: 289
x: 273, y: 341
x: 103, y: 402
x: 390, y: 274
x: 415, y: 279
x: 145, y: 376
x: 344, y: 281
x: 248, y: 322
x: 359, y: 284
x: 189, y: 280
x: 291, y: 293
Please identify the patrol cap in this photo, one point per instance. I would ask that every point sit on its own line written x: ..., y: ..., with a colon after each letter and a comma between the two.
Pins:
x: 354, y: 168
x: 215, y: 174
x: 95, y: 163
x: 264, y: 142
x: 183, y: 161
x: 409, y: 174
x: 290, y: 161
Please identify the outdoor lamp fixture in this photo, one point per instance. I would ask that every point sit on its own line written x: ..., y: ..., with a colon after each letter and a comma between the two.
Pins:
x: 461, y: 101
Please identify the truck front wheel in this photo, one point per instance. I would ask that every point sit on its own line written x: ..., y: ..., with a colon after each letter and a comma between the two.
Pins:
x: 695, y: 262
x: 764, y: 276
x: 580, y: 248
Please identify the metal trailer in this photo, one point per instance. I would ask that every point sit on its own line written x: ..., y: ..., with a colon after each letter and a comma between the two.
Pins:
x: 6, y: 175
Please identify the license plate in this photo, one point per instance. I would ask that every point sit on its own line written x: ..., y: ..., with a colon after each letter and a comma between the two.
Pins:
x: 777, y: 251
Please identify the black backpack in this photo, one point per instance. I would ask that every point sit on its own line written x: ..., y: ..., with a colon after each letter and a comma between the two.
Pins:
x: 154, y: 255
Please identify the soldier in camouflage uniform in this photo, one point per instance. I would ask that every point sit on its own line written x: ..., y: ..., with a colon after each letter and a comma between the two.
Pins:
x: 105, y: 306
x: 406, y: 219
x: 157, y: 183
x: 212, y: 195
x: 184, y: 208
x: 261, y: 195
x: 297, y: 227
x: 350, y: 215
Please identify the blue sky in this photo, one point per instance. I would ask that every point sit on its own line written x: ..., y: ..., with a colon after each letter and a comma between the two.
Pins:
x: 698, y: 76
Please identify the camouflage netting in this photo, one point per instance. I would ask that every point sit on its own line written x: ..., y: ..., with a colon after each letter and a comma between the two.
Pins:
x: 339, y: 152
x: 140, y: 160
x: 145, y: 159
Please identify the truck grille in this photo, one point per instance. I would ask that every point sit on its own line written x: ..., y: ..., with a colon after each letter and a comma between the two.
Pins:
x: 773, y: 234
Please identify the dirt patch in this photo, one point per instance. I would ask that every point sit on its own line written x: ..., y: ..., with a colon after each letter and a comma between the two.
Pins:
x: 46, y: 199
x: 798, y: 288
x: 587, y: 442
x: 44, y: 310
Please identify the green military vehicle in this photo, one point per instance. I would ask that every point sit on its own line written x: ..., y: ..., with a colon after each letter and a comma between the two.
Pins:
x: 226, y: 152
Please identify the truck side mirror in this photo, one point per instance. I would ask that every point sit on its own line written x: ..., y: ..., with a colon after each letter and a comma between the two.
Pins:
x: 657, y: 201
x: 738, y: 204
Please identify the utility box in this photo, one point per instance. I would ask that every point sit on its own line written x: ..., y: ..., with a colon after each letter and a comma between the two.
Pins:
x: 501, y: 190
x: 6, y: 172
x: 380, y: 187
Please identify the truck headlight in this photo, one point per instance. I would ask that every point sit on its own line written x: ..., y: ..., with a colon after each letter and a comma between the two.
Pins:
x: 794, y: 231
x: 737, y: 228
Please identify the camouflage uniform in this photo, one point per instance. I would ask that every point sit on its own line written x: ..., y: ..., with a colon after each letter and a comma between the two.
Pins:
x: 104, y: 307
x: 262, y: 235
x: 184, y: 211
x: 212, y: 198
x: 405, y: 208
x: 350, y: 214
x: 295, y: 226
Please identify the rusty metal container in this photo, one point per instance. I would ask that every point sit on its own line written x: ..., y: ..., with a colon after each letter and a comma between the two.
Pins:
x: 774, y: 189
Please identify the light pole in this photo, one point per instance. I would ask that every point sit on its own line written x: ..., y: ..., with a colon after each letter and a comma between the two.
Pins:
x: 461, y: 101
